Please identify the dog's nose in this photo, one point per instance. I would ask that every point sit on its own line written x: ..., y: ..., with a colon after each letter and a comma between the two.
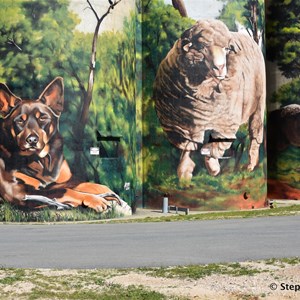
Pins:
x: 32, y: 140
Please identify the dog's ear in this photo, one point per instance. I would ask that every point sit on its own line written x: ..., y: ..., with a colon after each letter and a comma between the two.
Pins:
x: 53, y: 95
x: 7, y: 100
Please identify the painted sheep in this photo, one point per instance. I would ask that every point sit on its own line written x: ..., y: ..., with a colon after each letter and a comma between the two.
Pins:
x: 211, y: 81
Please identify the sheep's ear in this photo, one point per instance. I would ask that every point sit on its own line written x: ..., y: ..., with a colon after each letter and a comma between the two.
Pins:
x: 186, y: 44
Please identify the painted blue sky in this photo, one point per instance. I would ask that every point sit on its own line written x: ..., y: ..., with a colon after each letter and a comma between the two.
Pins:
x: 197, y: 9
x: 113, y: 21
x: 202, y: 9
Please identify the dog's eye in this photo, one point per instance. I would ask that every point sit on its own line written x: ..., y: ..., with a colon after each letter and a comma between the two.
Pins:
x: 43, y: 118
x: 20, y: 121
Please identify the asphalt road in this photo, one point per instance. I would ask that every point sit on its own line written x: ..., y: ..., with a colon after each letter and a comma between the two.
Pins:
x: 148, y: 244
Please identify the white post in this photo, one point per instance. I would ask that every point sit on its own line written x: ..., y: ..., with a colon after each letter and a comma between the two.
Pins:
x: 165, y: 204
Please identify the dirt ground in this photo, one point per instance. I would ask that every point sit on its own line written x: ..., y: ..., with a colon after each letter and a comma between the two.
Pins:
x: 271, y: 280
x: 268, y: 284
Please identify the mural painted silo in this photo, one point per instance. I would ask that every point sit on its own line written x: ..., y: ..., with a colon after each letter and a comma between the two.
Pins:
x: 283, y: 100
x: 204, y: 93
x: 68, y: 106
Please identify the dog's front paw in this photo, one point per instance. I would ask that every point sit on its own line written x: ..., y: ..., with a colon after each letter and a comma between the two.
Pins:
x: 2, y: 165
x: 97, y: 203
x: 10, y: 189
x: 120, y: 208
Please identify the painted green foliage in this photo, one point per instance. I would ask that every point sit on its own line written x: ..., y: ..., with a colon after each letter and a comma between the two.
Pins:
x: 38, y: 42
x: 35, y: 41
x: 240, y: 11
x: 287, y: 94
x: 283, y: 35
x: 248, y: 14
x: 162, y: 25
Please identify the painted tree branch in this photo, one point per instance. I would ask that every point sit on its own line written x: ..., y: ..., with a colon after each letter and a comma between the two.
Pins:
x: 87, y: 101
x: 180, y: 6
x: 80, y: 83
x: 252, y: 5
x: 79, y: 127
x: 12, y: 42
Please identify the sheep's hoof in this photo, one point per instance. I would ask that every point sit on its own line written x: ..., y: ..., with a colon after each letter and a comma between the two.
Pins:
x: 185, y: 176
x: 212, y: 165
x: 251, y: 167
x: 185, y: 168
x: 252, y: 164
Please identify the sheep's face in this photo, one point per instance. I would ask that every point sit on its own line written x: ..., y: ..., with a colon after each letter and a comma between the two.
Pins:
x: 205, y: 48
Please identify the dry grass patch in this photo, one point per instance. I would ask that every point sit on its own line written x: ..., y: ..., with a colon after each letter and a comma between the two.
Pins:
x: 247, y: 280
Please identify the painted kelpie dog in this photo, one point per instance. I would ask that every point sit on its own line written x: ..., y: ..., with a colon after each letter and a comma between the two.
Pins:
x: 32, y: 164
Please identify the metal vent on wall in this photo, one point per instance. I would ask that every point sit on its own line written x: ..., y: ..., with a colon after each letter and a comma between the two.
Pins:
x: 109, y: 145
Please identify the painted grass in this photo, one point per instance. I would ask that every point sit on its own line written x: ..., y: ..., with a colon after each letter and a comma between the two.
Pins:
x: 209, y: 193
x: 287, y: 169
x: 8, y: 213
